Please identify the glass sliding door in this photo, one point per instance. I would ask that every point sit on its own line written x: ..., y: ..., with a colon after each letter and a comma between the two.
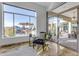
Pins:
x: 53, y: 24
x: 52, y: 29
x: 64, y: 35
x: 68, y: 34
x: 67, y: 38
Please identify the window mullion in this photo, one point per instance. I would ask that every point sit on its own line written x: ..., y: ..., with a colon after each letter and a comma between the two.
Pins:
x: 13, y: 24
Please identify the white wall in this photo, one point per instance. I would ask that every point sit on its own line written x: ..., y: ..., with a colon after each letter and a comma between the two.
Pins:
x: 41, y: 21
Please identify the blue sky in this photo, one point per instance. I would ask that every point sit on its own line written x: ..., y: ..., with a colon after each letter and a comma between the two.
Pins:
x: 8, y: 18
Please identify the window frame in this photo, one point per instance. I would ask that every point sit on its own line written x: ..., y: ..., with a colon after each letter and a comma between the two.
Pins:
x: 3, y: 29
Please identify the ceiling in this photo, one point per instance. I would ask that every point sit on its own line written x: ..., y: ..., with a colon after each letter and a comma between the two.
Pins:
x: 50, y: 5
x: 65, y: 7
x: 71, y: 13
x: 68, y: 9
x: 60, y: 7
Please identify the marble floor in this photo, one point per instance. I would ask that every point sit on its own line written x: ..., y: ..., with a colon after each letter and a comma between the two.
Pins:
x: 52, y: 49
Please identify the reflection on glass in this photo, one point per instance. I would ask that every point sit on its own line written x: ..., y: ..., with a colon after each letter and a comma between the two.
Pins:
x: 33, y: 26
x: 53, y: 27
x: 66, y: 33
x: 67, y: 36
x: 21, y: 25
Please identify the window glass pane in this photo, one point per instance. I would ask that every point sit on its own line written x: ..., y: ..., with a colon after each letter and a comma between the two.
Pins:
x: 8, y: 24
x: 21, y: 25
x: 52, y: 21
x: 33, y: 26
x: 18, y: 21
x: 19, y: 10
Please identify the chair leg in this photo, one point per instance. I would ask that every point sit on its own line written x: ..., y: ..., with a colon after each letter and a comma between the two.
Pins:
x: 33, y: 45
x: 29, y: 43
x: 43, y: 47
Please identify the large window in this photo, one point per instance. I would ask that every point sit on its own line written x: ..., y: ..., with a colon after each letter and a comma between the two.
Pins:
x: 18, y: 21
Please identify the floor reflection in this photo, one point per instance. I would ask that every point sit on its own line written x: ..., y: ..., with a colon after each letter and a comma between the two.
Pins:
x: 51, y: 50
